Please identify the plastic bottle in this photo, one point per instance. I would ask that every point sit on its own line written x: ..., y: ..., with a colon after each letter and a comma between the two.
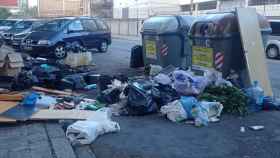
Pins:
x: 258, y: 93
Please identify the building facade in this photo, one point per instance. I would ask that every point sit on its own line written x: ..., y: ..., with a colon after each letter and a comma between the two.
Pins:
x: 57, y: 8
x: 101, y: 8
x: 141, y: 9
x: 9, y: 3
x: 269, y: 8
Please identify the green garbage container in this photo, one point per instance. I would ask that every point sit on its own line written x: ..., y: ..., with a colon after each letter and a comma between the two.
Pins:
x: 216, y: 44
x: 165, y: 40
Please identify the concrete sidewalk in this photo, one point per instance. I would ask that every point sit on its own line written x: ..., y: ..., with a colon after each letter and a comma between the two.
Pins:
x: 124, y: 37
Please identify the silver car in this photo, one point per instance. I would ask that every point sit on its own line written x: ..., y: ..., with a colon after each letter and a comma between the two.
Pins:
x: 273, y: 44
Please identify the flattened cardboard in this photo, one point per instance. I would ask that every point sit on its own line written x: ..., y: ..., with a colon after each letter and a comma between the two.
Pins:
x: 253, y: 47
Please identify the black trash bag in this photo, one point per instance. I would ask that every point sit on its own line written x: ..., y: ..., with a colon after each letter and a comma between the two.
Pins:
x: 140, y: 99
x: 24, y: 80
x: 270, y: 103
x: 109, y: 96
x: 136, y: 58
x: 104, y: 81
x: 47, y: 75
x: 76, y: 81
x: 121, y: 77
x: 164, y: 94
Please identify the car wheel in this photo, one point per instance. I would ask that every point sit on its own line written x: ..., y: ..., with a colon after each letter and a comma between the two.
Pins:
x: 103, y: 47
x: 60, y: 52
x: 272, y: 52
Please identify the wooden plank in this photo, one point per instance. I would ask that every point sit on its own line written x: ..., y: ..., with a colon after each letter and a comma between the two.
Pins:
x: 253, y: 47
x: 11, y: 97
x: 6, y: 105
x: 51, y: 91
x: 60, y: 115
x: 7, y: 120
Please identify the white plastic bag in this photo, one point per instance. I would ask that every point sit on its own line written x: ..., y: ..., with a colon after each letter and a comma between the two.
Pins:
x: 182, y: 82
x: 162, y: 79
x: 207, y: 112
x: 174, y: 111
x: 85, y: 132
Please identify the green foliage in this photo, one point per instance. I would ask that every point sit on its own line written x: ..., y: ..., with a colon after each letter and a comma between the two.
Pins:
x: 232, y: 98
x: 4, y: 13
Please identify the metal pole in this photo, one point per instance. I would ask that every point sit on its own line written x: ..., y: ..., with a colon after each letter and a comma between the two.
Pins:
x: 137, y: 25
x: 38, y: 8
x: 191, y: 5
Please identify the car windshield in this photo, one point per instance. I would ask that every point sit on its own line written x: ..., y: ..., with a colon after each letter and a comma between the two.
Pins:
x: 23, y: 25
x: 54, y: 25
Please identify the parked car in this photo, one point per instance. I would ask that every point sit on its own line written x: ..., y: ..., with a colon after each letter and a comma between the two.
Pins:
x: 50, y: 39
x: 21, y: 28
x: 7, y: 24
x: 18, y: 34
x: 273, y: 44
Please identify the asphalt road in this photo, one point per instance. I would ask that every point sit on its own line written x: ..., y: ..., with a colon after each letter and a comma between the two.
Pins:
x: 156, y: 137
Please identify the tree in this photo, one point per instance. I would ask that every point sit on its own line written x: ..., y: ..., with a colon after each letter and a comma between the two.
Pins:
x: 4, y: 13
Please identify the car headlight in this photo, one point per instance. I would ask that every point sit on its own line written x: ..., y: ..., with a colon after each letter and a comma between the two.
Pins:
x: 44, y: 42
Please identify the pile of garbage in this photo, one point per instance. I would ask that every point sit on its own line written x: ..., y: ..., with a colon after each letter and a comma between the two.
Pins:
x: 180, y: 95
x: 93, y: 118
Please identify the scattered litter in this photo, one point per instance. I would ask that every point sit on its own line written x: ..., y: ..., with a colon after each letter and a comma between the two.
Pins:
x: 256, y: 128
x: 91, y: 86
x: 242, y: 129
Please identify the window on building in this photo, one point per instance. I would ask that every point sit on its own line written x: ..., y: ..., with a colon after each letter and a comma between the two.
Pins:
x: 207, y: 5
x: 186, y: 8
x: 263, y: 2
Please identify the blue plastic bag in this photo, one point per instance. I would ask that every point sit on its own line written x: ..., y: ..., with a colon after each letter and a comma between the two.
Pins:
x: 30, y: 99
x: 188, y: 104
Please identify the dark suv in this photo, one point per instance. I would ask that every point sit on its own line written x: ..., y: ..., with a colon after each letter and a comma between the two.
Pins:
x: 51, y: 39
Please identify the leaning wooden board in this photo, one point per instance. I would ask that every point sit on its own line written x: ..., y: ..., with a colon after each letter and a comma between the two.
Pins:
x: 59, y: 115
x: 253, y: 47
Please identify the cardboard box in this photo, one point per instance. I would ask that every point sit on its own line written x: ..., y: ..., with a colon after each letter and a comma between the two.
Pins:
x: 10, y: 64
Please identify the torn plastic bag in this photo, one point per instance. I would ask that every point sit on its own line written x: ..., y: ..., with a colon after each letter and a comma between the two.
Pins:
x: 174, y: 111
x: 140, y: 100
